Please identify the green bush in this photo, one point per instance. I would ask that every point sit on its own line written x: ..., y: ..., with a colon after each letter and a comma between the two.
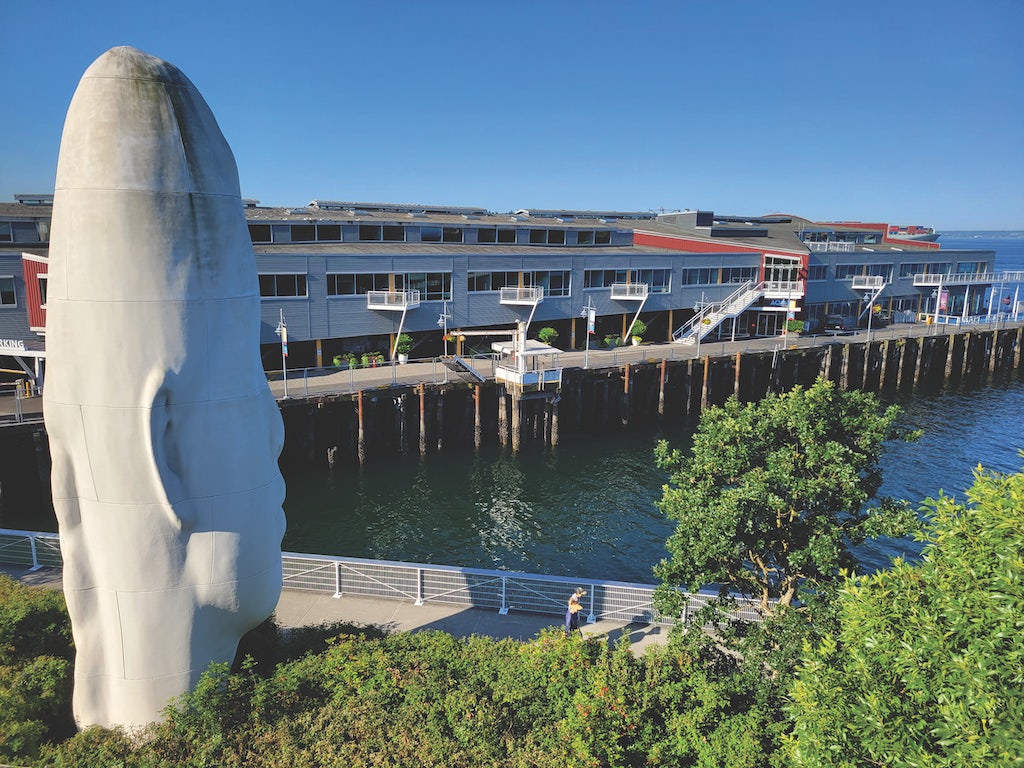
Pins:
x: 35, y: 669
x: 547, y: 335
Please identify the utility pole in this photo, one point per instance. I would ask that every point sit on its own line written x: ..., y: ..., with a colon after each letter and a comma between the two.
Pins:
x: 282, y: 331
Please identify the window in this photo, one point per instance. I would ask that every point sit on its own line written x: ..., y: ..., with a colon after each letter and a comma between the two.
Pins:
x: 554, y: 283
x: 556, y: 237
x: 658, y: 280
x: 430, y: 234
x: 603, y: 278
x: 25, y: 232
x: 881, y: 270
x: 740, y: 274
x: 849, y: 271
x: 700, y: 276
x: 817, y: 272
x: 394, y: 233
x: 303, y: 233
x: 970, y: 267
x: 538, y: 237
x: 7, y: 295
x: 380, y: 281
x: 496, y: 235
x: 603, y: 237
x: 328, y: 232
x: 341, y: 284
x: 491, y: 281
x: 276, y: 286
x: 585, y: 237
x: 451, y: 234
x: 5, y: 232
x: 909, y: 269
x: 433, y: 286
x: 43, y: 280
x: 369, y: 232
x: 259, y: 233
x: 282, y: 232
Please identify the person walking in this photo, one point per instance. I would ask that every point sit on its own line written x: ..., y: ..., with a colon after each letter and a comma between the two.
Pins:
x: 572, y: 613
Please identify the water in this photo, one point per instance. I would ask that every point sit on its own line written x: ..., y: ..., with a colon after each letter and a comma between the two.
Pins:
x: 587, y: 508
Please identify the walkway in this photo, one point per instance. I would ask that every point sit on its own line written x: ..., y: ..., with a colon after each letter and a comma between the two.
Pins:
x: 298, y: 609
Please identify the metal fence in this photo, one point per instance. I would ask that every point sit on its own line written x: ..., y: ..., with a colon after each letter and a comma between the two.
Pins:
x: 419, y: 583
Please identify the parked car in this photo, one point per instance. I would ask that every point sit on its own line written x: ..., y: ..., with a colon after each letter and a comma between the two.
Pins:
x: 840, y: 323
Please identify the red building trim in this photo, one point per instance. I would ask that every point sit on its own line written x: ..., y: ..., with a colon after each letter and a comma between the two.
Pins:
x: 33, y: 267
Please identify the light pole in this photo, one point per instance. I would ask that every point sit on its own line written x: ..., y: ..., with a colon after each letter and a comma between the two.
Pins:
x: 282, y: 331
x: 442, y: 323
x: 589, y: 312
x: 867, y: 298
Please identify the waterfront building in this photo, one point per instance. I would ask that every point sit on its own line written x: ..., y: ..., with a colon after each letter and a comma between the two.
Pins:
x: 349, y: 277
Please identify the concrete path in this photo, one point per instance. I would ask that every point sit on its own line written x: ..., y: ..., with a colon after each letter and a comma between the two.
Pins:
x: 299, y: 608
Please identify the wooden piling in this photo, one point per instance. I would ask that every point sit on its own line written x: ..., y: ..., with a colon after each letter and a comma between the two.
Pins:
x: 1016, y: 348
x: 423, y: 419
x: 440, y: 420
x: 949, y: 354
x: 554, y: 420
x: 917, y: 362
x: 844, y: 371
x: 503, y: 414
x: 704, y: 385
x: 661, y: 387
x: 360, y: 434
x: 736, y: 376
x: 625, y: 395
x: 477, y: 426
x: 517, y: 414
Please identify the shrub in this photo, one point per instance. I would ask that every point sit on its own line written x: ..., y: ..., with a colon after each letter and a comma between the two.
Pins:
x: 547, y: 335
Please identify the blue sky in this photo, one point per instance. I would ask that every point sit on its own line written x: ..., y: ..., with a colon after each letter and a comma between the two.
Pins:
x: 907, y: 112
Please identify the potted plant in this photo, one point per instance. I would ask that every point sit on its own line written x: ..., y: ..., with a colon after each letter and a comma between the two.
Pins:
x: 365, y: 361
x: 547, y: 335
x: 639, y: 330
x: 403, y: 344
x: 338, y: 361
x: 794, y: 326
x: 353, y: 361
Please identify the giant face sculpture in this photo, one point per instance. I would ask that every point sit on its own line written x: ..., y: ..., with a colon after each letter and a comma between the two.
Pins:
x: 163, y: 432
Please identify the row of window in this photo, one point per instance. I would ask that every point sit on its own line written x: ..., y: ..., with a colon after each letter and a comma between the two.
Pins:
x: 554, y: 283
x: 907, y: 269
x: 657, y: 280
x: 24, y: 231
x: 432, y: 286
x: 428, y: 233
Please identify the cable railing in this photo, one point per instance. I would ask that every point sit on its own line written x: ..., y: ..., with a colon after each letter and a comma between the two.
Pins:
x: 420, y: 583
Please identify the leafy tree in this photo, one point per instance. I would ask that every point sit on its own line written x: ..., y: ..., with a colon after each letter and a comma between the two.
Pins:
x: 772, y: 496
x: 928, y: 667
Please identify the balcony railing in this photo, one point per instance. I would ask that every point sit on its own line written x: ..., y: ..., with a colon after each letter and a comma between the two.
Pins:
x: 527, y: 295
x: 867, y: 282
x: 394, y: 300
x: 630, y: 290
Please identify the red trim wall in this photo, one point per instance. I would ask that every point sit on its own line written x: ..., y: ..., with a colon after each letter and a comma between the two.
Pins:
x: 690, y: 245
x: 32, y: 269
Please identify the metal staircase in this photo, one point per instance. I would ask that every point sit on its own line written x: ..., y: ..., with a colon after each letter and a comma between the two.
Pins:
x: 711, y: 315
x: 460, y: 365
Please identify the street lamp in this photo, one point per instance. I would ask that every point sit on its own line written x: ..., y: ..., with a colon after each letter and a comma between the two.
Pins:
x: 867, y: 298
x: 282, y: 331
x: 589, y: 312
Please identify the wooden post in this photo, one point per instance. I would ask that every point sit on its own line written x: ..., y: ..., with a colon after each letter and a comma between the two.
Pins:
x: 844, y: 373
x: 736, y: 377
x: 866, y: 366
x: 477, y: 427
x: 918, y: 362
x: 423, y: 419
x: 625, y: 396
x: 704, y: 384
x: 554, y: 420
x: 440, y: 420
x: 360, y: 435
x: 900, y: 362
x: 949, y: 354
x: 517, y: 413
x: 661, y: 389
x: 1016, y: 348
x: 992, y: 350
x: 503, y: 414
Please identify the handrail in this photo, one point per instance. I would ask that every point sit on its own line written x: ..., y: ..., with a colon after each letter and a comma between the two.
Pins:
x: 422, y: 583
x: 715, y: 306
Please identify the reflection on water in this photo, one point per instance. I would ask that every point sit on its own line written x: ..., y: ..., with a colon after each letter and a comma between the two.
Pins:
x: 587, y: 508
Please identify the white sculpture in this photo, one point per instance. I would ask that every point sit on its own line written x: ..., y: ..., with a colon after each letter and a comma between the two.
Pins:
x: 163, y: 431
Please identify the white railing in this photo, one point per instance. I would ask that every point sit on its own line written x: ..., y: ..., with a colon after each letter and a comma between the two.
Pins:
x: 831, y: 246
x: 526, y: 295
x: 419, y: 583
x: 630, y: 290
x: 867, y: 282
x: 392, y: 299
x: 967, y: 278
